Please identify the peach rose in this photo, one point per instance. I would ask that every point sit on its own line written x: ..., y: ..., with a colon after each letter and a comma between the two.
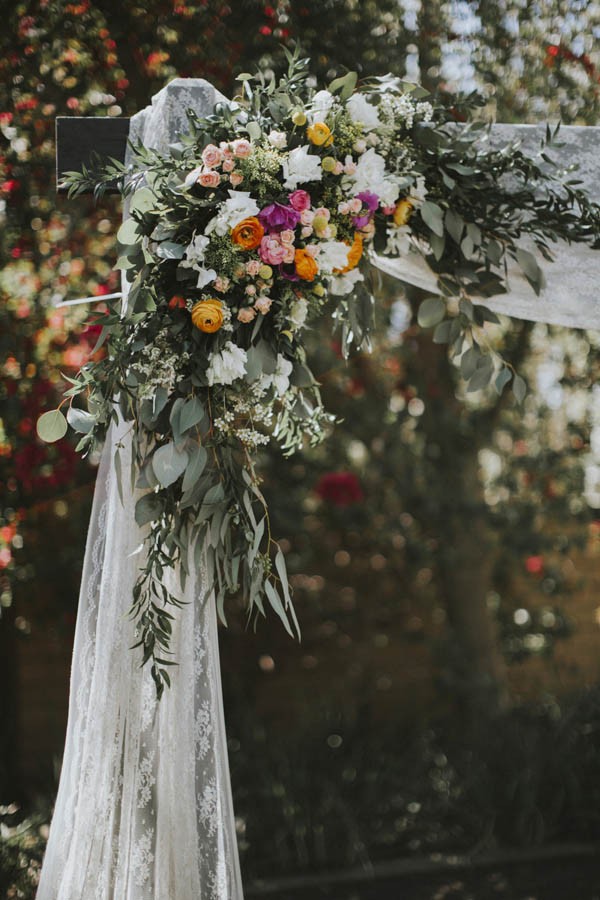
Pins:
x: 242, y: 148
x: 209, y: 178
x: 263, y: 305
x: 211, y: 156
x: 236, y: 179
x: 246, y: 314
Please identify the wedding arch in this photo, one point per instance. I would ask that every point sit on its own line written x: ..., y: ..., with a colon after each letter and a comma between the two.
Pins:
x: 144, y: 809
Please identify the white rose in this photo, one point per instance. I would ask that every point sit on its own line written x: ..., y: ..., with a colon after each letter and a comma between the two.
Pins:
x: 277, y: 139
x: 320, y: 107
x: 227, y: 366
x: 298, y: 312
x: 344, y: 284
x: 333, y: 255
x: 240, y: 206
x: 371, y: 176
x: 301, y: 166
x: 364, y: 112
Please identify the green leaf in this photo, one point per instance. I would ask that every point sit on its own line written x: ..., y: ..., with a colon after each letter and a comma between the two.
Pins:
x: 482, y: 375
x: 142, y: 200
x: 504, y: 376
x: 275, y: 601
x: 80, y: 421
x: 148, y: 508
x: 530, y: 268
x: 191, y: 413
x: 468, y: 362
x: 519, y: 388
x: 168, y: 463
x: 455, y: 225
x: 431, y: 311
x: 52, y: 426
x: 433, y: 216
x: 170, y: 250
x: 441, y: 335
x: 195, y: 467
x: 345, y: 85
x: 129, y: 233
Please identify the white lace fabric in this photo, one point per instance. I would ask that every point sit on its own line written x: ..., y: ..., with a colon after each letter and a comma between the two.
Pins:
x: 144, y: 808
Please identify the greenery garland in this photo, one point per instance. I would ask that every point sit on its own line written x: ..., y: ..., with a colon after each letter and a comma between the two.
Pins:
x: 262, y: 218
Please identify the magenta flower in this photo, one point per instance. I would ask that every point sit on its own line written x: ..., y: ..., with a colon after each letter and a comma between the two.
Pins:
x: 371, y: 202
x: 277, y: 217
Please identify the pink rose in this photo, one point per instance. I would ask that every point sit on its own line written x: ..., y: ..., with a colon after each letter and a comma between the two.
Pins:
x: 311, y: 250
x: 323, y: 212
x: 307, y: 216
x: 286, y: 237
x: 355, y: 205
x: 211, y: 156
x: 274, y: 252
x: 338, y: 168
x: 242, y: 148
x: 299, y: 200
x: 246, y: 314
x: 306, y: 231
x: 253, y: 267
x: 209, y: 178
x: 236, y: 178
x: 263, y: 305
x: 228, y: 164
x: 250, y: 290
x: 349, y: 166
x: 344, y: 208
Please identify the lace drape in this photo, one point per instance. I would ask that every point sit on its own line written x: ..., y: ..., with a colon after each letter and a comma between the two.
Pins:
x: 144, y: 809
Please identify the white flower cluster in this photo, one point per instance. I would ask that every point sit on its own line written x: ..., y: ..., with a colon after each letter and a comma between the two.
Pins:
x: 247, y: 408
x: 158, y: 365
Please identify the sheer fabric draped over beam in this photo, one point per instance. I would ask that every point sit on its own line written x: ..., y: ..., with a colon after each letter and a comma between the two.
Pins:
x: 571, y: 295
x: 144, y: 809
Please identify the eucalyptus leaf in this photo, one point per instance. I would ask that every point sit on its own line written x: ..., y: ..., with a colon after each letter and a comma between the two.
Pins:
x: 197, y: 462
x: 433, y: 216
x: 52, y: 426
x: 148, y: 508
x: 80, y: 420
x: 431, y: 311
x: 168, y: 463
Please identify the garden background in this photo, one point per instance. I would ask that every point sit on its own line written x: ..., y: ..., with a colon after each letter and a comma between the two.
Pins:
x: 443, y: 547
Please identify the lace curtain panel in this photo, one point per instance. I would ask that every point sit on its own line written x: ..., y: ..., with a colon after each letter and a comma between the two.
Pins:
x: 144, y: 809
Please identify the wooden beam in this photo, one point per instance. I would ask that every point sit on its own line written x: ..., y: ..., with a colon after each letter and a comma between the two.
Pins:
x: 77, y: 137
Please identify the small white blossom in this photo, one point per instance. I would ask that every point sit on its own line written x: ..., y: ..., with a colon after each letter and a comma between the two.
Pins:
x: 192, y: 178
x: 301, y: 166
x: 194, y: 252
x: 205, y: 276
x: 364, y: 112
x: 227, y: 366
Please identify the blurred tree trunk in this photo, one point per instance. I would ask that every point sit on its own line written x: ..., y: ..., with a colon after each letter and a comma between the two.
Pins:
x: 8, y: 706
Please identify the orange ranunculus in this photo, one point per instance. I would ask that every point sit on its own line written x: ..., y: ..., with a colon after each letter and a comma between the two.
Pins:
x: 354, y: 254
x: 403, y: 212
x: 248, y: 234
x: 319, y: 134
x: 306, y: 267
x: 207, y: 315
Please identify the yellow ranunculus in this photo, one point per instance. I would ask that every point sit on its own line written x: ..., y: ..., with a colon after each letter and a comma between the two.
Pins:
x: 403, y: 212
x: 299, y: 117
x: 354, y: 254
x: 319, y: 134
x: 265, y: 272
x: 328, y: 164
x: 207, y: 315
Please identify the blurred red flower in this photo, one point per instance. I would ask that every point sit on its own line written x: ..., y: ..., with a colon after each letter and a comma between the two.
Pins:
x: 339, y: 488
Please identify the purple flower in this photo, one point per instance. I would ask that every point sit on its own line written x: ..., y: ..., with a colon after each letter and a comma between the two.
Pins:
x: 371, y: 202
x: 277, y: 217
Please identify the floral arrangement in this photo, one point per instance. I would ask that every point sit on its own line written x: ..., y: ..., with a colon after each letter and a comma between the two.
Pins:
x: 257, y: 222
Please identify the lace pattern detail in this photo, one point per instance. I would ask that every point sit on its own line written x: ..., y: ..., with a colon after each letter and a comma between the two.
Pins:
x: 144, y: 809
